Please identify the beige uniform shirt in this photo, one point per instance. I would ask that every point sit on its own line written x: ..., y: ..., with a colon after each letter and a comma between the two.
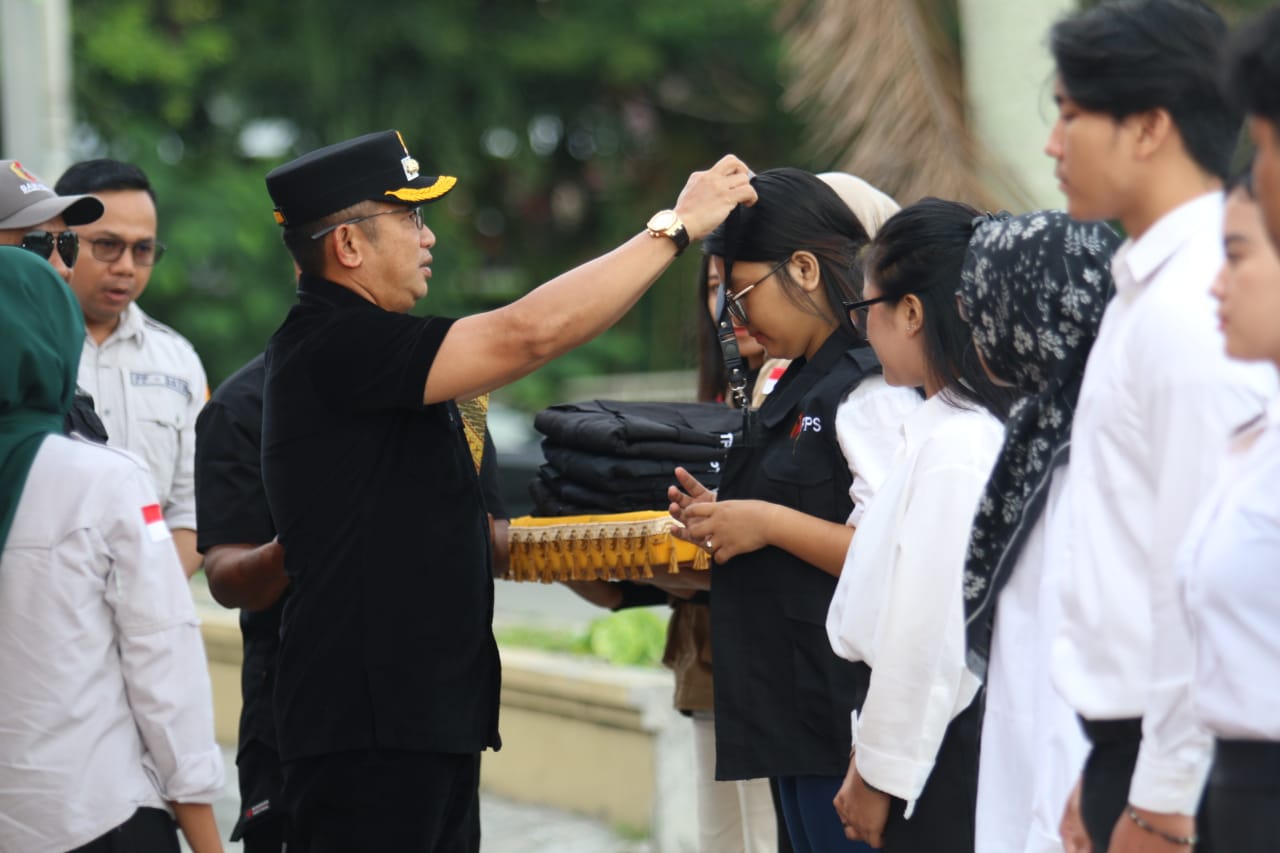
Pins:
x: 148, y: 385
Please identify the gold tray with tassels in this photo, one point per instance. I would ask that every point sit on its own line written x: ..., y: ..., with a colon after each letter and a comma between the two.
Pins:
x: 621, y: 546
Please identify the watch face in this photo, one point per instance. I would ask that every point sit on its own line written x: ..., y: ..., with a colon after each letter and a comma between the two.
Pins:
x: 662, y: 220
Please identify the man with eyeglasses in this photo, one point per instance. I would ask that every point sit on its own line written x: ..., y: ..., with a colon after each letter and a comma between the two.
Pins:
x: 146, y: 378
x: 388, y: 678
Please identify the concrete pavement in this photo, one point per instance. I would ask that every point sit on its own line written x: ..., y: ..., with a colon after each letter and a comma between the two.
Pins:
x: 505, y: 826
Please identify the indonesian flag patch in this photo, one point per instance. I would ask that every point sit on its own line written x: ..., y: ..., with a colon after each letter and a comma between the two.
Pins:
x: 775, y: 373
x: 153, y: 518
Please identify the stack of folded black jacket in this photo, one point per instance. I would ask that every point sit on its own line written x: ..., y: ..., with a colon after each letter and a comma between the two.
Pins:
x: 606, y: 457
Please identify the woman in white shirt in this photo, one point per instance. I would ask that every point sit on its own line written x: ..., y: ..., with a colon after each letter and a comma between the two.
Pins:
x: 1033, y: 288
x: 106, y: 720
x: 912, y: 779
x: 1230, y: 562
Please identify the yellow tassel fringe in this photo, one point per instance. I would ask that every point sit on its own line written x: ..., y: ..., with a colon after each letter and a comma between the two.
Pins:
x: 623, y: 546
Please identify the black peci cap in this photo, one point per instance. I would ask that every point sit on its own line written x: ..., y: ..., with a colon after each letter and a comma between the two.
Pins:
x: 373, y: 167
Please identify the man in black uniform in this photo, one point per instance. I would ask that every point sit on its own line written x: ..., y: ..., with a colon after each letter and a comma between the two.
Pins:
x: 387, y: 685
x: 245, y: 567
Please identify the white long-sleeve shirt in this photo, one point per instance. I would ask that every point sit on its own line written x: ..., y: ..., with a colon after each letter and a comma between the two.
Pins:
x: 105, y: 703
x: 1158, y: 400
x: 1032, y: 744
x: 899, y: 605
x: 1230, y: 568
x: 869, y: 429
x: 148, y: 386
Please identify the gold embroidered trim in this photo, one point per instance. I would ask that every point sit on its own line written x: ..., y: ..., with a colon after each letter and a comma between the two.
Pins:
x: 624, y: 546
x: 474, y: 425
x: 443, y: 184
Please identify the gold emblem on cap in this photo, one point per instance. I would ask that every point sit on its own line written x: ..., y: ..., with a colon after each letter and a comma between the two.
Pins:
x: 410, y: 168
x: 443, y: 184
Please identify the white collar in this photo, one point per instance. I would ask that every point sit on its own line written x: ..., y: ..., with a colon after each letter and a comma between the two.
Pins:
x: 925, y: 418
x: 1137, y: 261
x: 131, y: 325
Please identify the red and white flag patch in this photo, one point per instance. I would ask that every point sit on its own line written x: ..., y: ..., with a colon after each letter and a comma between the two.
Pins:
x: 775, y: 373
x: 153, y: 518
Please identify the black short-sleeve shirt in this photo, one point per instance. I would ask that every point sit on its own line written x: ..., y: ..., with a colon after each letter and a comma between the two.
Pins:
x: 386, y: 639
x: 231, y: 509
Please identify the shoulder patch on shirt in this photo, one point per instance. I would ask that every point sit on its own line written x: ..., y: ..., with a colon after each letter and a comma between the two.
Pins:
x: 153, y: 518
x: 149, y: 379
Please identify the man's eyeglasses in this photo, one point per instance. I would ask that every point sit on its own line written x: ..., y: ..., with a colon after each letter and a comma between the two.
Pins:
x: 111, y: 249
x: 414, y: 214
x: 44, y: 242
x: 733, y: 301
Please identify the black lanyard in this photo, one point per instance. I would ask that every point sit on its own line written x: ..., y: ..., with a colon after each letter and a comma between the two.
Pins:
x: 734, y: 367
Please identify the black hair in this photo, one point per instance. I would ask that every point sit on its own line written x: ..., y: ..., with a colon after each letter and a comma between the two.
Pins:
x: 1253, y: 67
x: 921, y: 250
x: 308, y: 253
x: 713, y: 377
x: 795, y: 211
x: 1131, y: 56
x: 1243, y: 180
x: 103, y: 175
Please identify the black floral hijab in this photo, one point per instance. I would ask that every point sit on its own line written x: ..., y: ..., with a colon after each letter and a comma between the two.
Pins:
x: 1034, y: 288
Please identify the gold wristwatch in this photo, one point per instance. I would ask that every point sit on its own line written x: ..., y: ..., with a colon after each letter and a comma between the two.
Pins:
x: 665, y: 223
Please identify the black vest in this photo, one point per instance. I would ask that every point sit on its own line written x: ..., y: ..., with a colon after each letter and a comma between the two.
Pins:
x: 782, y: 697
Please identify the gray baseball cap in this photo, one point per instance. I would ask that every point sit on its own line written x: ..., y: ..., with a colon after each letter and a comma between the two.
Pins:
x: 25, y: 200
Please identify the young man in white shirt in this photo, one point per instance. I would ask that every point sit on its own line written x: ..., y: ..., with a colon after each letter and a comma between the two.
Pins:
x: 1143, y: 137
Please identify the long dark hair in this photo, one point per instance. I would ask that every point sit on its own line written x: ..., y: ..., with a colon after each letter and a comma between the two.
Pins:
x: 795, y: 211
x: 921, y: 250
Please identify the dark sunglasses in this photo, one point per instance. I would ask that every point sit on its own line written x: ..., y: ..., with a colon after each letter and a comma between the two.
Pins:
x: 111, y: 249
x: 44, y: 242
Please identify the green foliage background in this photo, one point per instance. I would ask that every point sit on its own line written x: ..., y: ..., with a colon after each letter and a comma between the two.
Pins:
x: 631, y: 637
x: 643, y: 93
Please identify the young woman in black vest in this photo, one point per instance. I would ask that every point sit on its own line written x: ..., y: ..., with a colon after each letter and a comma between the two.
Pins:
x: 812, y: 457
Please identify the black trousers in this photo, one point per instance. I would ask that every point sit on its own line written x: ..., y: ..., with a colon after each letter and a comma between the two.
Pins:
x: 1244, y: 797
x: 410, y: 802
x: 1108, y: 770
x: 261, y: 823
x: 946, y: 811
x: 147, y: 831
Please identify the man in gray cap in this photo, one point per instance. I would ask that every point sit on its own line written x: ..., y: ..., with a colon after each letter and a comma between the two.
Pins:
x: 388, y: 675
x: 36, y: 218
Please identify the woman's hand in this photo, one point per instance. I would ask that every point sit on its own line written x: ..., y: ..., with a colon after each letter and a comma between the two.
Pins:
x: 1075, y: 838
x: 685, y: 495
x: 729, y: 528
x: 863, y: 810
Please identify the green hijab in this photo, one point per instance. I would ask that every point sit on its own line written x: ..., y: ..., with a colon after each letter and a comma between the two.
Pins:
x: 41, y: 336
